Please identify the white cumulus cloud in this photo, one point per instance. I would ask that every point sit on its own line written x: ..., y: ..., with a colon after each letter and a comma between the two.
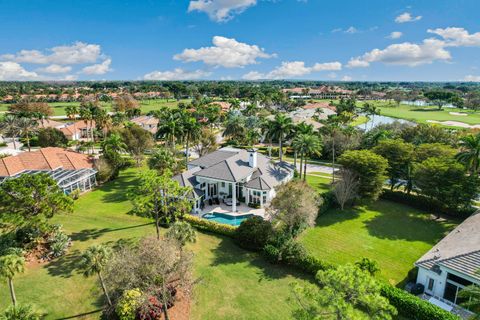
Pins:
x: 346, y: 78
x: 395, y: 35
x: 410, y: 54
x: 292, y: 69
x: 100, y: 68
x: 13, y: 71
x: 457, y: 37
x: 221, y: 10
x: 55, y: 68
x: 225, y: 52
x: 471, y: 78
x: 176, y: 74
x: 406, y: 17
x: 77, y: 53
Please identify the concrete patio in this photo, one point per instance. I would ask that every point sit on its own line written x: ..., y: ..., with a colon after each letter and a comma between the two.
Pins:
x: 242, y: 209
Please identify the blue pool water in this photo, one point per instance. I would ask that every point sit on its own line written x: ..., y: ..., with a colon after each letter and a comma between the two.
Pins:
x: 226, y: 219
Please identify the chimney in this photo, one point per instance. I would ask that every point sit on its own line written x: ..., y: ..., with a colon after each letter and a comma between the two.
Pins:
x: 252, y: 157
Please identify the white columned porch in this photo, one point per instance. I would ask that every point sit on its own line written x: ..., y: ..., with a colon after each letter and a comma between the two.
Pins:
x: 234, y: 197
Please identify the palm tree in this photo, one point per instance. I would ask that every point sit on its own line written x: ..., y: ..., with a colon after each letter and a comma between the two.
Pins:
x: 267, y: 129
x: 169, y: 126
x: 71, y: 112
x: 470, y: 152
x: 113, y: 143
x: 163, y: 159
x: 182, y: 232
x: 9, y: 127
x: 26, y: 127
x: 191, y: 131
x: 302, y: 128
x: 94, y: 261
x: 307, y: 145
x: 235, y: 126
x: 282, y: 127
x: 332, y: 126
x: 10, y: 265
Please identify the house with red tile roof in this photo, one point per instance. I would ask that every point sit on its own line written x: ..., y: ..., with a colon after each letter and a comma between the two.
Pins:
x: 71, y: 170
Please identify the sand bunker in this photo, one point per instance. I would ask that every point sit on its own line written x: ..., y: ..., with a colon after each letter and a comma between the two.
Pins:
x: 458, y: 113
x: 456, y: 124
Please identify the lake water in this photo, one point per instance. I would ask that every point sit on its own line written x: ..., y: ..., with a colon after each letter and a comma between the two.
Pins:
x: 379, y: 119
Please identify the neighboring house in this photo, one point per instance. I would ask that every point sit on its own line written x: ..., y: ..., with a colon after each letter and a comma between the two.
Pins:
x: 234, y: 175
x: 453, y: 263
x: 71, y: 170
x: 79, y: 130
x: 149, y: 123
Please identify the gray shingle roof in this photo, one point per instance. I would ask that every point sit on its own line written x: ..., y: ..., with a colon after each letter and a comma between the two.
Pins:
x: 459, y: 250
x: 258, y: 184
x: 212, y: 158
x: 186, y: 179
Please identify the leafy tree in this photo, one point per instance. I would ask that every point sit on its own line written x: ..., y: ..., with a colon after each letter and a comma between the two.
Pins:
x: 126, y: 104
x: 10, y: 265
x: 112, y: 147
x: 282, y: 127
x: 445, y: 181
x: 160, y: 197
x: 470, y: 152
x: 346, y: 189
x: 235, y: 126
x: 162, y: 160
x: 51, y: 137
x: 426, y: 133
x: 440, y: 97
x: 253, y: 233
x: 346, y: 292
x: 31, y: 198
x: 35, y: 110
x: 295, y: 206
x: 472, y: 296
x: 369, y: 265
x: 183, y: 232
x: 370, y: 169
x: 94, y: 261
x: 332, y: 126
x: 399, y: 155
x: 438, y: 150
x: 137, y: 140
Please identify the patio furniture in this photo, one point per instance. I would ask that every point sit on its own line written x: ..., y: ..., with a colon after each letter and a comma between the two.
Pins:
x: 229, y: 202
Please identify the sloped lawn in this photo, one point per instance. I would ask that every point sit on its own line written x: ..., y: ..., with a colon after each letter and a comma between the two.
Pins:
x: 233, y: 283
x: 394, y: 235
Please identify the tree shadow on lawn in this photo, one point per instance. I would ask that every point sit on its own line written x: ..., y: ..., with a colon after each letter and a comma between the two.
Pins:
x: 227, y: 252
x: 334, y: 216
x: 94, y: 233
x: 116, y: 190
x: 402, y: 224
x: 65, y: 266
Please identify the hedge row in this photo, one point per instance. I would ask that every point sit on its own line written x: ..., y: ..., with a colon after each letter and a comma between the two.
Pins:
x: 211, y: 226
x: 412, y: 307
x: 423, y: 203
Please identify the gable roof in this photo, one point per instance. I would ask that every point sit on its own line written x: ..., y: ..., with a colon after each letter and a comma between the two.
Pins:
x: 44, y: 159
x: 186, y: 179
x: 459, y: 250
x: 212, y: 158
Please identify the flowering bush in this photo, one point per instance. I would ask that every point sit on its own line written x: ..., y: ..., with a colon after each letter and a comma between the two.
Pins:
x: 128, y: 304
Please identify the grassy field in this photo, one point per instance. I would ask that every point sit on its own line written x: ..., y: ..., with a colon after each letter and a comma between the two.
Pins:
x: 422, y: 114
x: 233, y: 283
x: 145, y: 105
x: 321, y: 184
x: 392, y: 234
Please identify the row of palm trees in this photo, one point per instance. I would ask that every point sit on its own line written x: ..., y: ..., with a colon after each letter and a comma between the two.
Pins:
x: 14, y: 127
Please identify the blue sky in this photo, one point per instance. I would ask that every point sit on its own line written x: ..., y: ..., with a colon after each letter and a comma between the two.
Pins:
x: 431, y: 40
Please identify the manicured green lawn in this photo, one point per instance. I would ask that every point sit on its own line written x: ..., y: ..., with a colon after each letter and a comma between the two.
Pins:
x: 421, y: 114
x: 392, y: 234
x: 321, y: 184
x: 145, y: 105
x: 233, y: 283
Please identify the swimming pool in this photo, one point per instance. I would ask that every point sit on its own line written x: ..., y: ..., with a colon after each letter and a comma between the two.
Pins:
x: 226, y: 218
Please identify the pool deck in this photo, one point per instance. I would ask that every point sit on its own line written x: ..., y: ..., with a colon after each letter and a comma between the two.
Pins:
x: 242, y: 209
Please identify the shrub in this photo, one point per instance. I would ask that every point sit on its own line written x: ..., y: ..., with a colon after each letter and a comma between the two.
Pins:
x: 369, y: 265
x: 423, y: 203
x: 271, y: 253
x: 312, y: 265
x: 105, y: 171
x: 253, y: 205
x: 75, y: 194
x: 412, y: 307
x: 128, y: 304
x: 151, y: 309
x: 20, y: 312
x: 58, y: 241
x: 51, y: 137
x: 211, y: 226
x: 253, y: 233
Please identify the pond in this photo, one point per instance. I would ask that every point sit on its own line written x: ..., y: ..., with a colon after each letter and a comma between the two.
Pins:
x: 379, y: 119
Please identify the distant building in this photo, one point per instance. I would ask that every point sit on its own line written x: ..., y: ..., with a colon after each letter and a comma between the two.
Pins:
x: 149, y: 123
x: 71, y: 170
x: 323, y: 92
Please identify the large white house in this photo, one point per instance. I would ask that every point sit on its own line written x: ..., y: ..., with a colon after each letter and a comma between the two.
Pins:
x: 453, y: 263
x: 234, y: 176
